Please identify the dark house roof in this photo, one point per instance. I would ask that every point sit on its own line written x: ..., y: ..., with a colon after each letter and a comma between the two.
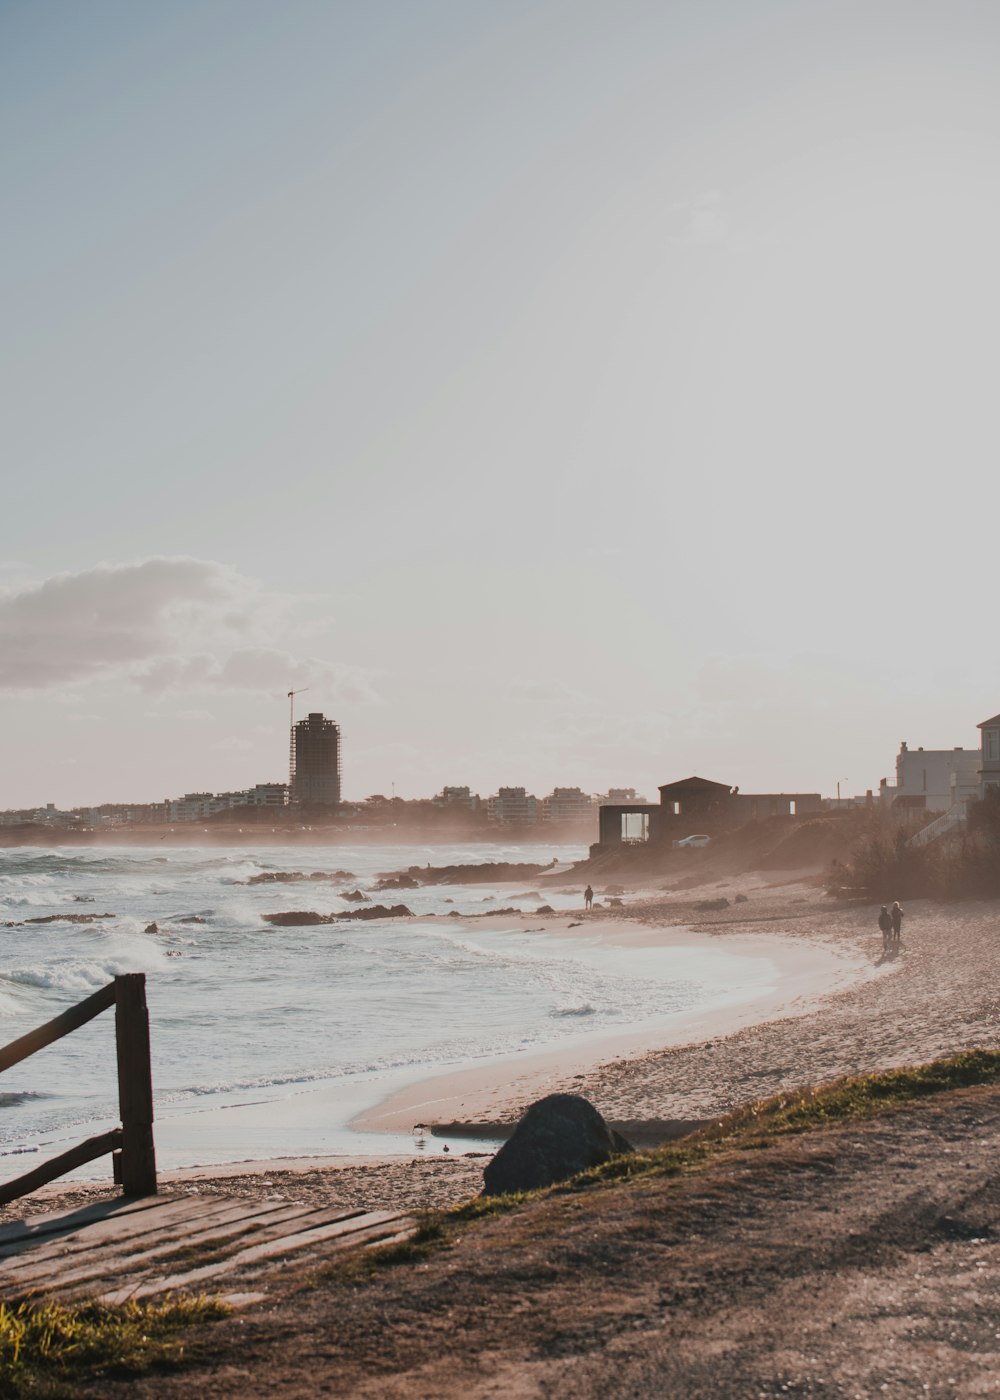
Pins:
x: 694, y: 786
x: 994, y: 720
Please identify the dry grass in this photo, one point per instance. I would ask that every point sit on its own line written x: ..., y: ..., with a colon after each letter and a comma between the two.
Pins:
x: 45, y: 1345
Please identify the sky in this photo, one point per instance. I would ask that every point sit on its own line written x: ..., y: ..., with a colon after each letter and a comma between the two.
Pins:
x: 577, y: 392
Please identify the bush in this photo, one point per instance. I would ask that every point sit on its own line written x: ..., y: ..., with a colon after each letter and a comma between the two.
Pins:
x: 885, y: 866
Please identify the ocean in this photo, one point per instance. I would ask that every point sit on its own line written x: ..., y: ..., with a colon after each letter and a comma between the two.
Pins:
x: 267, y: 1041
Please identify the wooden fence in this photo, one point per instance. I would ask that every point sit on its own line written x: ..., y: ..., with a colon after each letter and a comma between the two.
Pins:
x: 131, y: 1145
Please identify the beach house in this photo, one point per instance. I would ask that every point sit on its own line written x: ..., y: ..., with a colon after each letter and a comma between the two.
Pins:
x: 692, y: 804
x: 989, y: 755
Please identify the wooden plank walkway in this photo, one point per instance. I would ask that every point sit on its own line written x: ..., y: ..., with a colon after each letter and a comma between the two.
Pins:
x: 121, y: 1249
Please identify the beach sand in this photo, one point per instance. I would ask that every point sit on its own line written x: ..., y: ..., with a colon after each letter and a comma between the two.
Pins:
x: 938, y: 995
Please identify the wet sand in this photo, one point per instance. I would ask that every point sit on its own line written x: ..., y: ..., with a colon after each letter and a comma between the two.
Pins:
x: 805, y: 971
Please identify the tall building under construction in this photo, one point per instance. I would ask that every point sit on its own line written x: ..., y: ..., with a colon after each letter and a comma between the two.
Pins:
x: 316, y: 762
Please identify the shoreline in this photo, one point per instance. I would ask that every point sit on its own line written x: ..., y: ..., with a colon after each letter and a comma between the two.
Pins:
x: 807, y: 972
x: 938, y: 1001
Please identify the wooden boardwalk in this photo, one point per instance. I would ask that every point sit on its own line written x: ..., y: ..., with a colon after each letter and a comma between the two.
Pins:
x: 122, y: 1249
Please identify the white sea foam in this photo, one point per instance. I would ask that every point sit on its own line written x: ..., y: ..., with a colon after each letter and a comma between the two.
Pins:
x: 68, y: 977
x: 249, y: 1011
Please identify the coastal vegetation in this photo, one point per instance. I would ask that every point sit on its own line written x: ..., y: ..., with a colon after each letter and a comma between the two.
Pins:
x: 963, y: 865
x: 754, y: 1127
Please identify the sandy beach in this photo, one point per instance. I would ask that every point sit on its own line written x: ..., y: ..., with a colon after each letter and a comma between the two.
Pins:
x: 938, y: 995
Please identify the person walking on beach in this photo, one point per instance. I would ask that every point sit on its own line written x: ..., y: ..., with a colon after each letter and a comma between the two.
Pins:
x: 588, y: 897
x: 896, y: 917
x: 885, y: 924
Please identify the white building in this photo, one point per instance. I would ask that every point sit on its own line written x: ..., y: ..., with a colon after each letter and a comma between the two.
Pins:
x: 567, y: 805
x: 513, y: 804
x: 267, y: 795
x: 458, y: 796
x: 934, y: 779
x: 619, y: 797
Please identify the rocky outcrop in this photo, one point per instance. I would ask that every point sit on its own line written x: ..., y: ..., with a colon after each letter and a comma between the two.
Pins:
x: 64, y: 919
x: 354, y: 896
x: 487, y: 873
x: 292, y: 877
x: 397, y: 882
x: 296, y: 918
x: 558, y: 1136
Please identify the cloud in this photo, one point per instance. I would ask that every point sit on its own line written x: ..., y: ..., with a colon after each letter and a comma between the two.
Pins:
x: 74, y: 627
x: 545, y: 693
x: 262, y: 669
x: 702, y: 221
x: 161, y: 624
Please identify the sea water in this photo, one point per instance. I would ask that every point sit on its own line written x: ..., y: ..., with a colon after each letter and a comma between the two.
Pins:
x: 267, y: 1040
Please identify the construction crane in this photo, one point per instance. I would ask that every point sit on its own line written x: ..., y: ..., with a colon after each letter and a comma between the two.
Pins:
x: 291, y: 736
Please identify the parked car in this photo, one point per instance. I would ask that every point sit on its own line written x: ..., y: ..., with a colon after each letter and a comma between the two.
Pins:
x: 688, y: 841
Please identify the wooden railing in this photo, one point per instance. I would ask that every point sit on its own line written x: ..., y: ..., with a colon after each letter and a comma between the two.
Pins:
x: 131, y: 1145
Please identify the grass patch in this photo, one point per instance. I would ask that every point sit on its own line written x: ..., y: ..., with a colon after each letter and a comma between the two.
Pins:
x: 756, y: 1126
x: 802, y: 1111
x: 44, y: 1345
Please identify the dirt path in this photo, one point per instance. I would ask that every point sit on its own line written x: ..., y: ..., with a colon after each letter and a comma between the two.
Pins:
x: 862, y: 1261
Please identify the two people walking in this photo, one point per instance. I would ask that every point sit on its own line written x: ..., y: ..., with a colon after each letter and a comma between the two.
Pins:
x: 890, y: 921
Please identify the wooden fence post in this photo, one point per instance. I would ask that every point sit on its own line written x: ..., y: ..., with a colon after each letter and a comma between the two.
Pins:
x: 135, y: 1085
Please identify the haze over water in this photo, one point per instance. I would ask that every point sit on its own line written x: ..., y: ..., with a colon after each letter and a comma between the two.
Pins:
x: 267, y: 1040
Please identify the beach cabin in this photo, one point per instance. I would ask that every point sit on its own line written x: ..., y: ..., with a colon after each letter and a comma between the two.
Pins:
x: 692, y: 804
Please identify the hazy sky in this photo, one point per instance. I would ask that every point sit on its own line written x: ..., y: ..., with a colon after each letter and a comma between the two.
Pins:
x: 566, y: 392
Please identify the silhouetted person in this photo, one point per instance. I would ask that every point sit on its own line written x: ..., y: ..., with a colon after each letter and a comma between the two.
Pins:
x: 885, y: 924
x: 896, y: 916
x: 588, y: 897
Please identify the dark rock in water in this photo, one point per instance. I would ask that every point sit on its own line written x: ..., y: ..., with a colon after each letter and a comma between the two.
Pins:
x: 545, y: 909
x: 397, y: 882
x: 487, y: 873
x: 354, y: 896
x: 152, y: 928
x: 193, y: 919
x: 377, y: 911
x: 558, y: 1136
x: 65, y: 919
x: 296, y: 918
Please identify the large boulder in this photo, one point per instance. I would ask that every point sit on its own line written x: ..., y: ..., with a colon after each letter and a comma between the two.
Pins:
x: 558, y: 1136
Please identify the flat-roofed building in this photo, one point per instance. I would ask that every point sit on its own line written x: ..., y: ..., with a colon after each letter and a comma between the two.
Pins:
x: 458, y: 796
x: 933, y: 780
x: 513, y: 805
x: 567, y: 805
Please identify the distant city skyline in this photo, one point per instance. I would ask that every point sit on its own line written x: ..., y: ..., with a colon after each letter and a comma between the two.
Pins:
x: 560, y: 390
